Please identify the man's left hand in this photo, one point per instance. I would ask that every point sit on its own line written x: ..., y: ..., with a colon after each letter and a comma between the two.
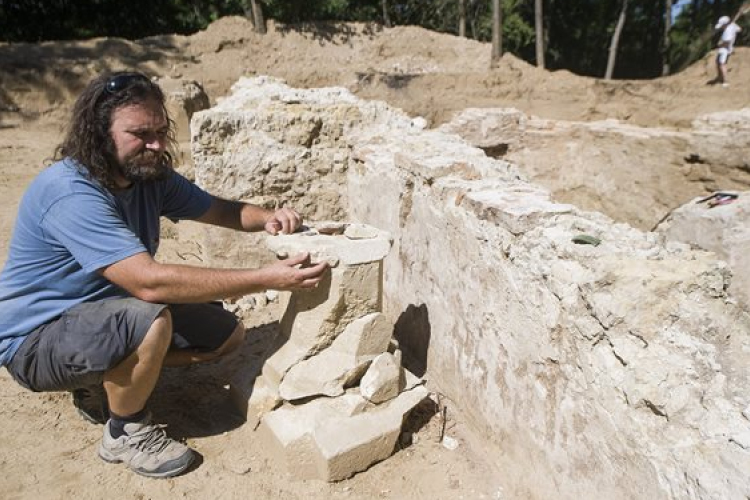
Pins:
x: 284, y: 221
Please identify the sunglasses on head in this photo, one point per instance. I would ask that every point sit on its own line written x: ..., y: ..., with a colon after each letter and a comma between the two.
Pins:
x: 122, y: 81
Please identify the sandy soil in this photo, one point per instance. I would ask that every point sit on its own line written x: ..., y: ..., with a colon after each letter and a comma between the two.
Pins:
x: 49, y: 452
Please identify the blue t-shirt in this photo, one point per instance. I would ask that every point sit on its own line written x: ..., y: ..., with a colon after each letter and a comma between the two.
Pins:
x: 68, y: 227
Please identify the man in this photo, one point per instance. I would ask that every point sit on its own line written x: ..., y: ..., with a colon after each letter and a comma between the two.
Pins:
x: 729, y: 30
x: 83, y: 303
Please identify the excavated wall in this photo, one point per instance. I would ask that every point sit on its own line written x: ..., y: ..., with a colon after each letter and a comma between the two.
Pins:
x: 597, y: 362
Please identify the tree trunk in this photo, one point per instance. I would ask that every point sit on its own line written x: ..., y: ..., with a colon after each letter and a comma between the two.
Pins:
x: 615, y: 40
x: 539, y: 27
x: 666, y: 45
x: 497, y: 33
x: 386, y: 17
x: 259, y: 22
x: 247, y: 11
x: 462, y: 18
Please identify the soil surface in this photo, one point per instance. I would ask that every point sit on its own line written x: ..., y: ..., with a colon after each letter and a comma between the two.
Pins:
x: 49, y: 452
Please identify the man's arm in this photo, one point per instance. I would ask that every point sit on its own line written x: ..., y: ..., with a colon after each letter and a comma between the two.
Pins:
x: 151, y: 281
x: 744, y: 9
x: 247, y: 217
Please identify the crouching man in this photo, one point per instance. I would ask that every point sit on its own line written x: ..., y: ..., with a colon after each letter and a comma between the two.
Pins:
x: 84, y: 307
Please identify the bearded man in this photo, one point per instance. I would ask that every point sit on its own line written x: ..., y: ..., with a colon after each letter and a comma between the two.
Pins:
x: 84, y: 307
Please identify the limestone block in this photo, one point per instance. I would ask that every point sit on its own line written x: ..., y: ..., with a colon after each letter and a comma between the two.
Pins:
x: 517, y: 208
x: 253, y: 397
x: 360, y: 244
x: 342, y: 363
x: 288, y: 429
x: 236, y: 158
x: 324, y: 374
x: 365, y: 337
x: 331, y: 439
x: 721, y: 229
x: 288, y: 355
x: 344, y: 447
x: 314, y: 318
x: 383, y: 380
x: 495, y: 130
x: 352, y: 289
x: 722, y: 138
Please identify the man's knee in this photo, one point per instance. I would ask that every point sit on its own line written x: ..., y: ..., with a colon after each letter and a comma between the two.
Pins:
x: 158, y: 338
x: 234, y: 341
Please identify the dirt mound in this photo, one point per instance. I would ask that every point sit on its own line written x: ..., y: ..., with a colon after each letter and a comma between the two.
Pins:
x: 423, y: 72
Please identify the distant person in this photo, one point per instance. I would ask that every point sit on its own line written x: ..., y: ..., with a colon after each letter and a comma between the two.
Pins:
x: 84, y: 307
x: 729, y: 30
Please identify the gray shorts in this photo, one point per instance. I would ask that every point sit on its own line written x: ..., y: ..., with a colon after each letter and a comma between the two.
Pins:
x: 722, y: 55
x: 76, y: 349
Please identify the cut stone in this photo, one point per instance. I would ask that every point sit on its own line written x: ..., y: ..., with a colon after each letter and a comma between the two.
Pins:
x: 332, y: 439
x: 341, y: 364
x: 383, y: 379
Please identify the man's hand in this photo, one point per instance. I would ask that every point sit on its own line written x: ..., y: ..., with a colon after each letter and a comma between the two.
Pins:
x: 283, y: 220
x: 744, y: 9
x: 294, y: 273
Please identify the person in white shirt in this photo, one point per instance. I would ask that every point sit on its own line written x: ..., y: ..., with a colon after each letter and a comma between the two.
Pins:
x: 729, y: 29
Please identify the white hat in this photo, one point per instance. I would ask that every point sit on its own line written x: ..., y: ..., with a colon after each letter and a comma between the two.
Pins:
x: 723, y: 20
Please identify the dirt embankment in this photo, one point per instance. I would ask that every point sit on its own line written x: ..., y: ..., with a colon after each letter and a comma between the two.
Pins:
x: 424, y: 73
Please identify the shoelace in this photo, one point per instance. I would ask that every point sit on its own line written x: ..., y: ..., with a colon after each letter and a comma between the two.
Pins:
x: 152, y: 438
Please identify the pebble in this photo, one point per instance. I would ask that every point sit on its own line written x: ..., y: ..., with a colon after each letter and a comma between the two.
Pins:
x: 449, y: 443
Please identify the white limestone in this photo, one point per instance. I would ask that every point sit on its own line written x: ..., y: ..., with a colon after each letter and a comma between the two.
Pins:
x: 343, y: 362
x: 609, y: 371
x: 332, y: 439
x: 329, y: 336
x: 722, y: 229
x: 383, y: 380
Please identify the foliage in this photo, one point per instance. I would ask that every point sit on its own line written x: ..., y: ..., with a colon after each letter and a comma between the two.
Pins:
x: 693, y: 33
x: 577, y: 32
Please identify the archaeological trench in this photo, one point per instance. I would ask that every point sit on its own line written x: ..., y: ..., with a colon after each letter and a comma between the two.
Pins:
x: 597, y: 358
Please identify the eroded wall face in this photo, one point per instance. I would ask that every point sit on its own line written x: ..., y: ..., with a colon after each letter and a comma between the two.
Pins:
x: 598, y: 362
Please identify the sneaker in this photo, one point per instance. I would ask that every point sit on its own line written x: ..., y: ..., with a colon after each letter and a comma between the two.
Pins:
x: 91, y: 403
x: 146, y: 449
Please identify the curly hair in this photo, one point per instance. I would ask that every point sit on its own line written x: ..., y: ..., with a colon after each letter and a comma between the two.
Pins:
x: 88, y: 140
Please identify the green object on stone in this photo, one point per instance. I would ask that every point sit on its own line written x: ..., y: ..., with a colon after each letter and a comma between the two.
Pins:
x: 586, y: 239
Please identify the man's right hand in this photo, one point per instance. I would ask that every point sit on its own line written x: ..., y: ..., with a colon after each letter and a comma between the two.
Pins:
x: 295, y: 273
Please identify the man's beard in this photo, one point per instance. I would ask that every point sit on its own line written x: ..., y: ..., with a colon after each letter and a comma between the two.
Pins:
x: 147, y: 167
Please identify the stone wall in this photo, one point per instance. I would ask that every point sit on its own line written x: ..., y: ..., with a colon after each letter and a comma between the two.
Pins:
x: 596, y: 362
x: 721, y: 227
x: 633, y: 174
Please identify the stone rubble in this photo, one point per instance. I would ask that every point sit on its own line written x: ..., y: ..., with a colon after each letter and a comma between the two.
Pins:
x: 330, y: 337
x: 617, y: 370
x: 722, y: 229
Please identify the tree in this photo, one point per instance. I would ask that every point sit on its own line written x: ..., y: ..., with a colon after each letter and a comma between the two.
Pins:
x: 386, y: 18
x: 462, y: 18
x: 665, y: 46
x: 254, y: 12
x: 615, y: 41
x: 258, y: 21
x: 497, y: 33
x: 539, y: 29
